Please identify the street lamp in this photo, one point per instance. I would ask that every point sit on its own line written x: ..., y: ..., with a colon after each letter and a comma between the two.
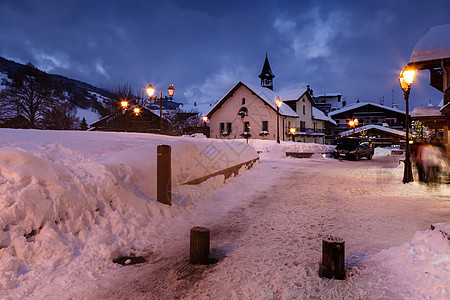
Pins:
x: 151, y: 91
x: 406, y: 79
x: 205, y: 119
x: 136, y: 111
x: 292, y: 130
x: 353, y: 123
x: 278, y: 102
x: 124, y: 105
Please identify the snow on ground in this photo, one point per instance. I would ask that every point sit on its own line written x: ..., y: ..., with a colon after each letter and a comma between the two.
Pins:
x: 71, y: 202
x: 88, y: 114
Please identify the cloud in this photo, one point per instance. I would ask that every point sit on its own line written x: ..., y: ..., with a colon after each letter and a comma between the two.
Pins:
x: 217, y: 85
x: 312, y: 33
x: 50, y: 61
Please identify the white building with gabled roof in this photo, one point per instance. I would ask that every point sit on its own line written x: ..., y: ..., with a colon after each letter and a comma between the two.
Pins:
x: 252, y: 109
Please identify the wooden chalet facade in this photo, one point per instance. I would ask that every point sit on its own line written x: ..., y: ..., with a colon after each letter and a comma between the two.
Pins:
x: 381, y: 135
x: 432, y: 53
x: 367, y: 114
x: 145, y: 121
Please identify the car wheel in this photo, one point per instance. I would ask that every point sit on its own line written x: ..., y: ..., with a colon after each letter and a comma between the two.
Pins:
x: 356, y: 156
x: 370, y: 156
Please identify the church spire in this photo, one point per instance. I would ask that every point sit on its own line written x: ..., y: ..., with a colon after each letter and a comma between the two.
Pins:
x: 266, y: 75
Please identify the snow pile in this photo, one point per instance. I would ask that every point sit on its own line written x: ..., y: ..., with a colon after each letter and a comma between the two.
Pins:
x: 271, y: 149
x: 71, y: 202
x: 68, y: 197
x: 420, y: 269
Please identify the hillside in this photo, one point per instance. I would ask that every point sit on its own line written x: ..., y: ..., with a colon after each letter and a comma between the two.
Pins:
x: 83, y: 96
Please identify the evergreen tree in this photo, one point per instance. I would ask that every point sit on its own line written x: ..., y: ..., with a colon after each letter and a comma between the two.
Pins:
x: 84, y: 125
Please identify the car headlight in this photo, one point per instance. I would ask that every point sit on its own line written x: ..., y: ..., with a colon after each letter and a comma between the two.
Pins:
x: 352, y: 152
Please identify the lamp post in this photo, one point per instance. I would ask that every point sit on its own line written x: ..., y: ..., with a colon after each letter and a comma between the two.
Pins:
x: 124, y: 105
x: 136, y: 111
x: 292, y: 130
x: 205, y: 119
x: 353, y: 123
x: 151, y: 91
x: 278, y: 102
x: 406, y: 79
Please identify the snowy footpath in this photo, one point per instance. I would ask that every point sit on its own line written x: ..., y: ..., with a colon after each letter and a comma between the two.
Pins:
x: 268, y: 242
x: 72, y: 202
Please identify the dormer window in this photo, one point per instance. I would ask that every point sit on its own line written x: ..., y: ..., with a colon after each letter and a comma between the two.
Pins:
x: 243, y: 111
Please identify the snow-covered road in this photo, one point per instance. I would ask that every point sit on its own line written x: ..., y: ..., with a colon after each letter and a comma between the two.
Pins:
x: 267, y: 235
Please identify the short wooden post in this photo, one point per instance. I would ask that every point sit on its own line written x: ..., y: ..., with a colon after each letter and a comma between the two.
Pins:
x: 199, y: 252
x: 333, y: 258
x: 163, y: 175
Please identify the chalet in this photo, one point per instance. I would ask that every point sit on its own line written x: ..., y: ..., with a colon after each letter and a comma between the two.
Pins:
x: 145, y: 121
x: 328, y: 102
x: 381, y: 135
x: 368, y: 113
x: 250, y: 111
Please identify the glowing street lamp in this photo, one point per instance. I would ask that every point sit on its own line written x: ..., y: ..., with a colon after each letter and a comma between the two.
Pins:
x: 151, y: 90
x: 124, y: 105
x: 406, y: 79
x: 292, y: 130
x: 353, y: 123
x: 278, y: 102
x: 136, y: 111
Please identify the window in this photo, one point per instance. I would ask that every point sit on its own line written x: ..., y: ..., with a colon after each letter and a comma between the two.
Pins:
x: 246, y: 126
x: 304, y: 110
x: 222, y: 127
x: 229, y: 127
x: 315, y: 127
x: 302, y: 126
x: 243, y: 101
x: 265, y: 125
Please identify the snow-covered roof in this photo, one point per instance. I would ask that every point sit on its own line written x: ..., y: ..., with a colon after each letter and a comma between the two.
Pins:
x: 202, y: 108
x: 372, y: 126
x: 361, y: 104
x: 426, y: 111
x: 435, y: 44
x: 328, y: 95
x: 319, y: 115
x: 268, y: 96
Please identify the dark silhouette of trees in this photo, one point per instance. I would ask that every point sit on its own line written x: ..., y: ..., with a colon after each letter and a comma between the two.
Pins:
x: 32, y: 100
x: 28, y: 96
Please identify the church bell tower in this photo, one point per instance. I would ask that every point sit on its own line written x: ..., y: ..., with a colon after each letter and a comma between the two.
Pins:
x: 266, y: 75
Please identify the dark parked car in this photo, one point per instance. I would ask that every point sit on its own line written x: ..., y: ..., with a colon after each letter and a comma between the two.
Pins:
x: 354, y: 148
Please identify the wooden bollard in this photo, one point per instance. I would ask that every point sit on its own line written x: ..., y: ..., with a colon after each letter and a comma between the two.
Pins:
x: 333, y: 258
x: 163, y: 175
x: 199, y: 252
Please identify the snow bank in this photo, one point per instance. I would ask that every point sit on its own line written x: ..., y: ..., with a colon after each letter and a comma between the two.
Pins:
x: 71, y: 197
x: 420, y: 269
x: 269, y: 149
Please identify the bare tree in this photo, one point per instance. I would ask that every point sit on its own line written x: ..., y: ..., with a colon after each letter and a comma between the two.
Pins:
x: 27, y: 96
